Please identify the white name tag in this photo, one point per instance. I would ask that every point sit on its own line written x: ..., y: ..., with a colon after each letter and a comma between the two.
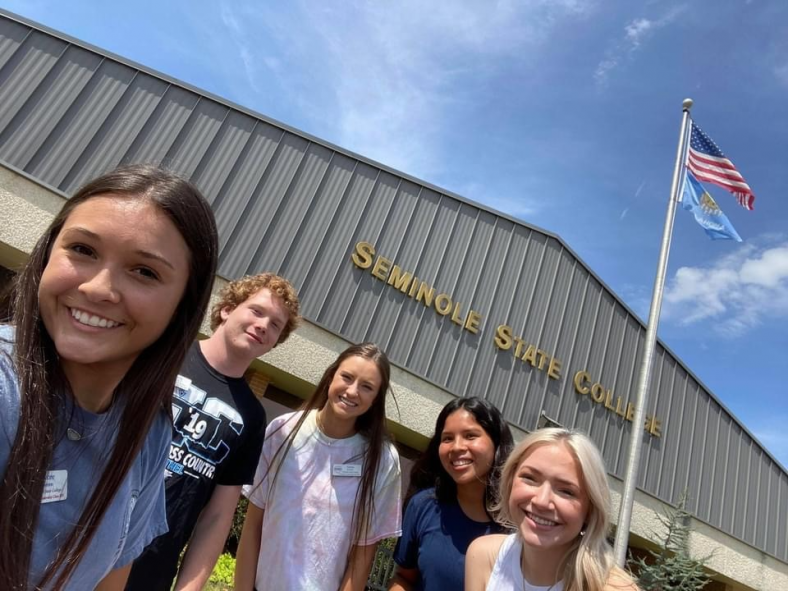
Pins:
x: 56, y: 486
x: 347, y: 470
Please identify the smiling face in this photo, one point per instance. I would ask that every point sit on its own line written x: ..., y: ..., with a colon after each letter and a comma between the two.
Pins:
x: 115, y: 276
x: 548, y: 501
x: 353, y: 389
x: 466, y: 451
x: 253, y: 327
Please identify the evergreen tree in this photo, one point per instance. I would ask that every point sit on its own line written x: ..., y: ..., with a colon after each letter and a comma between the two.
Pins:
x: 672, y: 568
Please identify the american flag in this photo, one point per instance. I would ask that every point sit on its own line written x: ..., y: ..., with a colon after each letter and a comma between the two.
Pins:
x: 709, y: 164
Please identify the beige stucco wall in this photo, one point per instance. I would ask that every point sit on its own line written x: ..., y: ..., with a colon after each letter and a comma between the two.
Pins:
x: 26, y: 208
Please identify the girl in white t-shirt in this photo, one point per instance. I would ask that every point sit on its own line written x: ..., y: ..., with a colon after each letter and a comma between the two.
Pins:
x: 327, y: 489
x: 554, y: 492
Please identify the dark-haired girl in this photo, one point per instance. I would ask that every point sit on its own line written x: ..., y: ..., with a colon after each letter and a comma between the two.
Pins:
x: 103, y: 314
x: 453, y: 487
x: 328, y: 486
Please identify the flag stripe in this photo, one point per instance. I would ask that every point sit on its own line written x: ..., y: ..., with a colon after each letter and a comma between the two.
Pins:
x: 711, y: 160
x: 708, y: 163
x: 732, y: 186
x: 701, y: 167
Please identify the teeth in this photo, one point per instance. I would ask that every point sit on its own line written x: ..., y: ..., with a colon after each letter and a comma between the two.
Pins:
x: 461, y: 462
x: 346, y: 401
x: 541, y: 520
x: 92, y: 319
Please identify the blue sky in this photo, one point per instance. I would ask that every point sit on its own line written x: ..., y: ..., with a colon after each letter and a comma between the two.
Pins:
x: 563, y: 113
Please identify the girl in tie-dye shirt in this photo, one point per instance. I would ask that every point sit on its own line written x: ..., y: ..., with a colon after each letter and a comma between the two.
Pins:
x: 327, y: 489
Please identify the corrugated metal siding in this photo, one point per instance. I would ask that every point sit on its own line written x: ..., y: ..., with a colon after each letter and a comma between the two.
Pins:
x: 295, y: 205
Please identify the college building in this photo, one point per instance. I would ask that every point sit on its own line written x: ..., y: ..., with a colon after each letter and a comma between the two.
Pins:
x: 465, y: 300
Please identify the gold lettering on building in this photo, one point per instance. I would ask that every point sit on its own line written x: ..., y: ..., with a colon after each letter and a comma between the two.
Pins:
x: 385, y: 270
x: 603, y: 396
x: 363, y: 256
x: 526, y: 352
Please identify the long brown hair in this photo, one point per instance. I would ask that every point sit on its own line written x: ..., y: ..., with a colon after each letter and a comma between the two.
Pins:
x: 144, y: 391
x: 372, y: 425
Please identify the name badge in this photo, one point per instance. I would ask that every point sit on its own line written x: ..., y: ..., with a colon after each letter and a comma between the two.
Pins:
x: 55, y: 486
x: 347, y: 470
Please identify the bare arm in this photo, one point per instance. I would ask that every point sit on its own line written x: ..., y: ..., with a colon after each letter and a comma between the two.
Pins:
x: 210, y: 534
x: 404, y: 579
x: 249, y: 548
x: 115, y: 580
x: 358, y: 568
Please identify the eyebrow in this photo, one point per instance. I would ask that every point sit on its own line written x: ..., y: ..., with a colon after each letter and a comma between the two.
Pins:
x: 143, y: 253
x: 559, y: 480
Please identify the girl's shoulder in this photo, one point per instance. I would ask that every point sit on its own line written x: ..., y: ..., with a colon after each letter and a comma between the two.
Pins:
x: 156, y: 444
x: 480, y: 560
x: 486, y: 548
x: 389, y: 466
x: 390, y: 453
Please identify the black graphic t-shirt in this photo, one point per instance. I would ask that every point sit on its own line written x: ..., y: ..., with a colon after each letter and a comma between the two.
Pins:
x: 218, y: 432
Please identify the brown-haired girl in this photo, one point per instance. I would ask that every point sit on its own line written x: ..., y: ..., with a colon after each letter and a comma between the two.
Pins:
x: 328, y: 486
x: 103, y: 313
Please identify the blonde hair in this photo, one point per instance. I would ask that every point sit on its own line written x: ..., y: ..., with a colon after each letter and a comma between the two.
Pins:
x: 589, y: 563
x: 238, y: 291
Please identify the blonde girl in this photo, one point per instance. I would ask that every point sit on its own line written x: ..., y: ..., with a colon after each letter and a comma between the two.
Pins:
x: 555, y: 493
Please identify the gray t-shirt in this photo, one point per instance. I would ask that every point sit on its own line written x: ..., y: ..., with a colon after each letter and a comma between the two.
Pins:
x: 136, y: 514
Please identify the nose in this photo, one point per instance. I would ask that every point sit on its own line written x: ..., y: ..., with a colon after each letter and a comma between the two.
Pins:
x: 459, y: 443
x: 352, y: 387
x: 262, y: 325
x: 542, y: 495
x: 102, y: 287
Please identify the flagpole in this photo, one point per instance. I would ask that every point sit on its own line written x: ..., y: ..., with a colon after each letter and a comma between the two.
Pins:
x: 636, y: 436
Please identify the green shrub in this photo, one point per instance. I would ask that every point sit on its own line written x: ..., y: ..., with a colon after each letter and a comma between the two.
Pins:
x: 672, y: 568
x: 224, y: 571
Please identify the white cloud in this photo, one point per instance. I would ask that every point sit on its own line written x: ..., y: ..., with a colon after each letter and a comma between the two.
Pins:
x: 635, y: 34
x: 734, y: 294
x: 637, y: 30
x: 380, y: 78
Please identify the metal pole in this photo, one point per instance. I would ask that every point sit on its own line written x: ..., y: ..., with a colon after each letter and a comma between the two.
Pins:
x: 636, y: 437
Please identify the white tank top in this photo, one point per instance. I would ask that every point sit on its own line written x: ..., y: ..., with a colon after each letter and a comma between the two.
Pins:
x: 506, y: 574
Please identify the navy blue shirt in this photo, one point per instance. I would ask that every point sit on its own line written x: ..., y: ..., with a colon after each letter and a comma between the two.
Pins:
x: 435, y: 537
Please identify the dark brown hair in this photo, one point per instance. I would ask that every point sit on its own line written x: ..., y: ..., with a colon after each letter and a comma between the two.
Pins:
x: 144, y: 391
x: 238, y: 291
x: 372, y: 425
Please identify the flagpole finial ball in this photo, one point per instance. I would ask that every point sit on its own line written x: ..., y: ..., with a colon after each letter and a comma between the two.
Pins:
x: 686, y: 104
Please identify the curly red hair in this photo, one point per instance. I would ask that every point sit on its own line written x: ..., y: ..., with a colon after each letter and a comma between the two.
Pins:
x: 238, y: 291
